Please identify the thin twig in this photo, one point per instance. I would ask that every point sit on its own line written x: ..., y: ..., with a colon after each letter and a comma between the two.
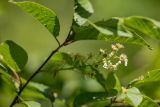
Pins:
x: 39, y: 69
x: 66, y: 42
x: 59, y: 44
x: 33, y: 75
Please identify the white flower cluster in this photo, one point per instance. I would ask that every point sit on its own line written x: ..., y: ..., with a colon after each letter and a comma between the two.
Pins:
x: 123, y: 58
x: 109, y: 57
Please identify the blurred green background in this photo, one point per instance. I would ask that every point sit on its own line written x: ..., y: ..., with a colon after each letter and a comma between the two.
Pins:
x: 20, y: 27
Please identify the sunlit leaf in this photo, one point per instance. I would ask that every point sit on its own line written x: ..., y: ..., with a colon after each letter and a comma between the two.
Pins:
x: 32, y: 94
x: 133, y: 97
x: 111, y: 30
x: 83, y: 10
x: 36, y: 90
x: 13, y: 56
x: 144, y: 25
x: 44, y: 15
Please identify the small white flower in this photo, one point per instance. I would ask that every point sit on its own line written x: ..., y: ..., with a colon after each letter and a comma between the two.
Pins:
x: 123, y: 57
x: 102, y: 51
x: 114, y: 67
x: 118, y: 63
x: 114, y: 48
x: 109, y: 62
x: 105, y: 66
x: 109, y: 58
x: 118, y: 45
x: 126, y: 62
x: 111, y: 54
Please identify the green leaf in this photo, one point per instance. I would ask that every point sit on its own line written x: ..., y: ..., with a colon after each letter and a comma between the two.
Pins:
x: 43, y: 14
x: 100, y: 78
x: 32, y: 93
x: 149, y: 77
x: 44, y: 89
x: 83, y: 10
x: 13, y: 56
x: 133, y: 97
x: 144, y: 25
x: 89, y: 97
x: 36, y: 90
x: 113, y: 84
x: 111, y: 30
x: 38, y: 86
x: 147, y: 102
x: 32, y: 104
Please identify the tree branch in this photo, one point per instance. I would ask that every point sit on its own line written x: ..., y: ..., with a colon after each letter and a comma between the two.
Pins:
x: 33, y: 75
x: 66, y: 42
